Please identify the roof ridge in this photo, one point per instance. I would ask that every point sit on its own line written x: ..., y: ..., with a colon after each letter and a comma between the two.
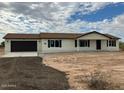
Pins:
x: 59, y: 33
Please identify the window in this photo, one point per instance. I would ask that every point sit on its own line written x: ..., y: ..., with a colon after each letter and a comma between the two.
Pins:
x: 107, y: 43
x: 75, y: 43
x: 48, y: 43
x: 84, y: 43
x: 111, y: 43
x: 88, y: 43
x: 57, y: 43
x: 54, y: 43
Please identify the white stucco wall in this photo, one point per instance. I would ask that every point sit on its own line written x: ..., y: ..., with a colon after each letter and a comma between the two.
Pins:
x: 68, y: 45
x: 7, y: 46
x: 104, y: 46
x: 110, y: 48
x: 91, y: 48
x: 94, y: 36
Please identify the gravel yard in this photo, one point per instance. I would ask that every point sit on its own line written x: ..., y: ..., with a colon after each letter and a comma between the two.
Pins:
x: 78, y: 65
x: 59, y: 70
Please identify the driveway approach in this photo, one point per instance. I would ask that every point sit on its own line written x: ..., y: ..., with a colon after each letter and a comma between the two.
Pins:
x: 20, y: 54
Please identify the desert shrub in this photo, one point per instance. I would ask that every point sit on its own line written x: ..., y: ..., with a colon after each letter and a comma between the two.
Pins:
x: 121, y: 45
x: 99, y: 80
x: 2, y: 44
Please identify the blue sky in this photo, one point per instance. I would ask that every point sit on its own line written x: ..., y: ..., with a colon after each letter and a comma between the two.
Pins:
x: 105, y: 17
x: 108, y: 12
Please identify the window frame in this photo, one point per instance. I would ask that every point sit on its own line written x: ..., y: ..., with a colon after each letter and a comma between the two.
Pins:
x: 111, y: 43
x: 84, y: 43
x: 75, y: 43
x: 53, y: 43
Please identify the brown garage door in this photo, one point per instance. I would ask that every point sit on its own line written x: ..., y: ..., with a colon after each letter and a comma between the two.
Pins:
x: 23, y: 46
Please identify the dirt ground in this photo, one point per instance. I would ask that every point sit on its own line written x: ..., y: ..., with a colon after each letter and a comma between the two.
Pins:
x: 59, y: 71
x: 20, y: 73
x: 78, y: 65
x: 1, y: 51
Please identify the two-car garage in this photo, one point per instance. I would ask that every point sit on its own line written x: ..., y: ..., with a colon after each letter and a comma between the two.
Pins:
x: 23, y: 46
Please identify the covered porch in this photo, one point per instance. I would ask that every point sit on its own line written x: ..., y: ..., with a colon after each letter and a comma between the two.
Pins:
x: 95, y: 41
x: 92, y: 45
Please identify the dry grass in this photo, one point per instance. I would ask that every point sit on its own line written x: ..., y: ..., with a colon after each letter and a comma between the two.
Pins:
x: 100, y: 80
x: 30, y: 73
x: 78, y: 65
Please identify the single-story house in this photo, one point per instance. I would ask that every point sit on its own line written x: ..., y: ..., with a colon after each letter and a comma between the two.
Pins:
x: 60, y: 42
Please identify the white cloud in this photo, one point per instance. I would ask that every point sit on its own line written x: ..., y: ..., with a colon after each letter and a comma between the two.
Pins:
x: 91, y: 6
x: 52, y: 17
x: 115, y: 26
x: 46, y: 16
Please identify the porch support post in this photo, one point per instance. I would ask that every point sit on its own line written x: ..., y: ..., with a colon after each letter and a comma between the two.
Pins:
x: 77, y: 45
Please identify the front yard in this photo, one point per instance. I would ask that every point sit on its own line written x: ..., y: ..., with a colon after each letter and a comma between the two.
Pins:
x: 60, y: 70
x: 30, y: 73
x: 78, y: 65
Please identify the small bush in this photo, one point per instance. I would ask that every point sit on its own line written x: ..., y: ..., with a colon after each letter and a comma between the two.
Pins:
x: 2, y: 44
x: 98, y: 80
x: 121, y: 45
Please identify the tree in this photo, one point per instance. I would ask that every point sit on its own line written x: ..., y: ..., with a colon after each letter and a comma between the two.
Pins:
x: 2, y: 44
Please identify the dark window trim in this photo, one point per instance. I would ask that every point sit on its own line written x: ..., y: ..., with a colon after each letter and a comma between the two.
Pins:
x: 107, y: 43
x: 48, y: 43
x: 75, y: 43
x: 56, y: 42
x: 52, y: 43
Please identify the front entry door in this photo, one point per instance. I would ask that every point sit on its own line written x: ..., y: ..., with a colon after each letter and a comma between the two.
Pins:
x: 98, y: 44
